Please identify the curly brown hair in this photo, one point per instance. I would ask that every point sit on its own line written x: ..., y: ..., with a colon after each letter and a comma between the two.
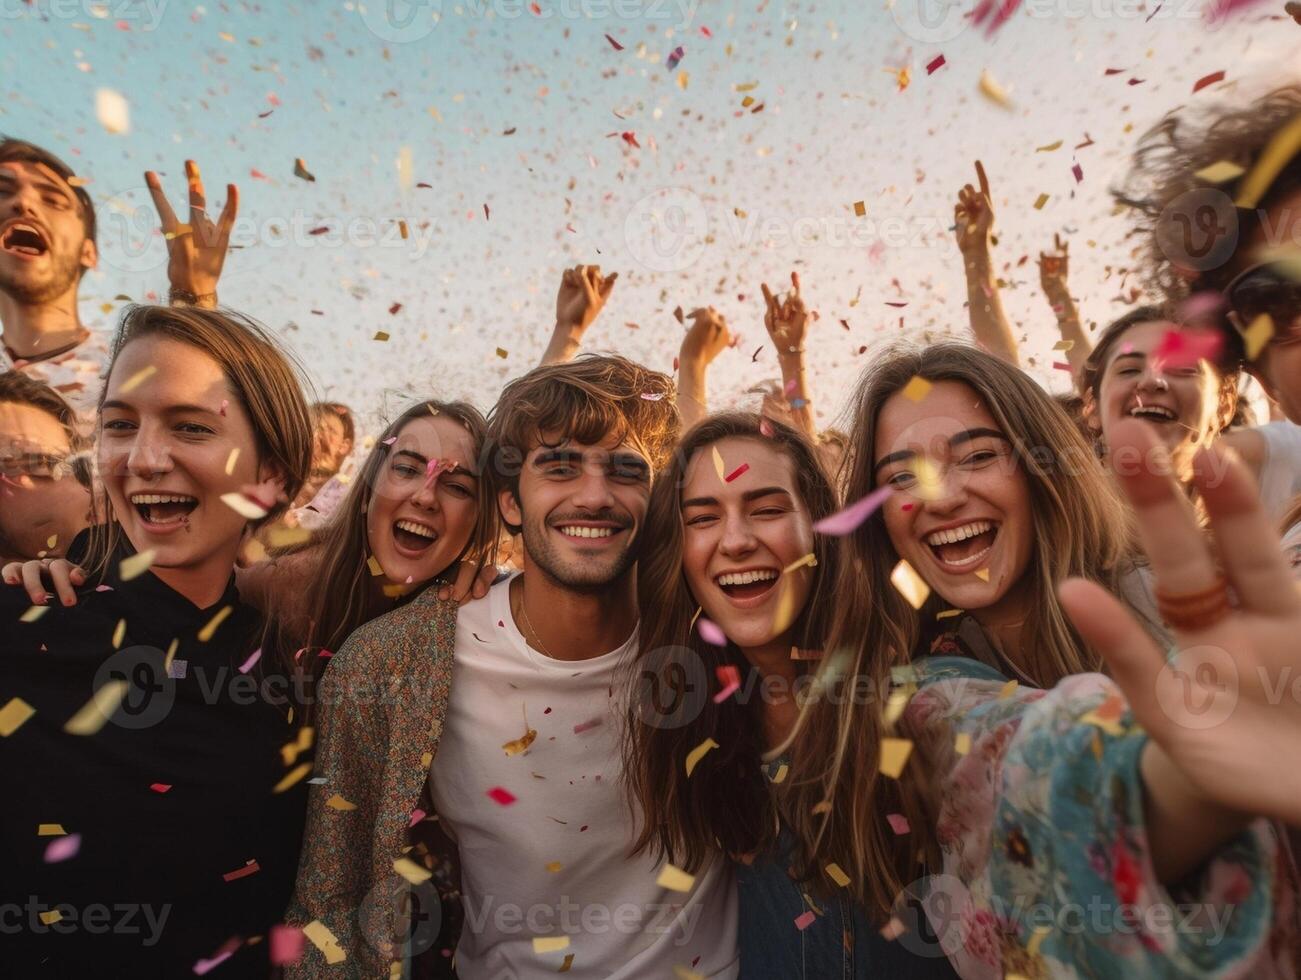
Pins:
x: 1174, y: 205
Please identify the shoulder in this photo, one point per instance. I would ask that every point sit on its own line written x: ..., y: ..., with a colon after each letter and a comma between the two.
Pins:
x: 425, y: 625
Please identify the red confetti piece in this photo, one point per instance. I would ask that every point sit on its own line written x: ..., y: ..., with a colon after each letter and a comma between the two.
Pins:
x: 258, y: 174
x: 898, y: 823
x: 736, y: 472
x: 630, y: 138
x: 705, y: 31
x: 416, y: 816
x: 287, y: 944
x: 537, y: 11
x: 1060, y: 366
x: 586, y: 726
x: 896, y: 305
x: 1078, y: 171
x: 935, y: 64
x: 485, y: 211
x: 1185, y: 348
x: 1114, y: 71
x: 1211, y: 79
x: 805, y: 920
x: 730, y: 678
x: 674, y: 58
x: 160, y: 787
x: 502, y: 796
x: 394, y: 309
x: 613, y: 43
x: 320, y: 230
x: 249, y: 869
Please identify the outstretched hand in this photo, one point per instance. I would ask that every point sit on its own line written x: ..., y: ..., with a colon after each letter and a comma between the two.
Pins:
x: 707, y: 337
x: 582, y: 295
x: 786, y: 318
x: 196, y: 251
x: 973, y: 215
x: 1054, y: 267
x: 1215, y: 708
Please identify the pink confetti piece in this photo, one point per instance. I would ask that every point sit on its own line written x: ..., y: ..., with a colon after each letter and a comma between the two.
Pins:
x: 103, y: 588
x: 1185, y: 348
x: 1227, y: 8
x: 744, y: 467
x: 935, y: 64
x: 253, y: 658
x: 652, y: 396
x: 390, y: 440
x: 62, y: 848
x: 251, y: 868
x: 204, y: 966
x: 1078, y: 171
x: 416, y: 816
x: 898, y: 823
x: 160, y: 787
x: 287, y: 945
x: 791, y: 385
x: 674, y: 58
x: 847, y: 521
x: 1062, y: 366
x: 805, y: 920
x: 225, y: 402
x: 765, y: 428
x: 502, y: 796
x: 1201, y: 306
x: 1211, y: 79
x: 587, y: 726
x: 710, y: 632
x: 730, y: 677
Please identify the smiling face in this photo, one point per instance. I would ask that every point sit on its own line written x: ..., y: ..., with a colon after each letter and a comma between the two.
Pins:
x: 165, y: 448
x: 420, y: 516
x: 738, y: 536
x: 43, y: 244
x: 966, y: 527
x: 1182, y: 404
x: 581, y: 508
x: 42, y: 506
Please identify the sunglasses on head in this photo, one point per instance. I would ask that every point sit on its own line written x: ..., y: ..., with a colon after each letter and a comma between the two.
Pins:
x: 1273, y: 289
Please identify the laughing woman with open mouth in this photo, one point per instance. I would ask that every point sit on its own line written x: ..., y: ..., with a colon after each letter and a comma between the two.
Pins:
x: 143, y: 754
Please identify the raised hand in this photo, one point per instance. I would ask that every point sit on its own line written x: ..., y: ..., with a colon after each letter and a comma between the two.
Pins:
x: 1054, y: 267
x: 582, y: 295
x: 195, y: 251
x: 1222, y: 710
x: 974, y: 215
x: 786, y: 318
x: 707, y: 337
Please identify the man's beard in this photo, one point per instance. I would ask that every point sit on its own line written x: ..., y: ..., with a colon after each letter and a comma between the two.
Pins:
x: 33, y: 290
x: 585, y: 577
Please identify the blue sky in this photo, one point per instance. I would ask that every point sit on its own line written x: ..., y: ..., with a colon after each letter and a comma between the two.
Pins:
x: 493, y: 103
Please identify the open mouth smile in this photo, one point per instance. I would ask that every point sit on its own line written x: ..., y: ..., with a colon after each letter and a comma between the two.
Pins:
x: 164, y: 512
x: 748, y: 586
x: 24, y: 239
x: 589, y: 532
x: 413, y: 537
x: 964, y: 548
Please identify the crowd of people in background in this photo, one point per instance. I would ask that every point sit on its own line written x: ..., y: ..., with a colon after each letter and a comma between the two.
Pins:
x: 986, y: 683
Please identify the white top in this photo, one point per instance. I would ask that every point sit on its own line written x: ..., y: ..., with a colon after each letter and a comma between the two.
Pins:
x: 1280, y: 470
x: 77, y: 375
x: 554, y: 862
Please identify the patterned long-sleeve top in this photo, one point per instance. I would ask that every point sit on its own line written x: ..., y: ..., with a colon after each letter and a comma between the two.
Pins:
x: 1047, y: 869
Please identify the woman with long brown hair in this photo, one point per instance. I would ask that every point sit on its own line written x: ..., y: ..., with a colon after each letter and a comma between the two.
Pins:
x: 738, y: 595
x: 1004, y: 768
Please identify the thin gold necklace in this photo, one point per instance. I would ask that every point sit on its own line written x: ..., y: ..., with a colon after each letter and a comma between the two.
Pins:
x: 529, y: 623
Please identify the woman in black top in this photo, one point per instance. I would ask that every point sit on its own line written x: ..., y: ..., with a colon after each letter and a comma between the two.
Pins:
x: 154, y: 779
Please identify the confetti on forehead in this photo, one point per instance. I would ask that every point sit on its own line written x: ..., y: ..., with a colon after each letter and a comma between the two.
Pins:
x: 917, y: 388
x: 719, y: 468
x: 137, y: 379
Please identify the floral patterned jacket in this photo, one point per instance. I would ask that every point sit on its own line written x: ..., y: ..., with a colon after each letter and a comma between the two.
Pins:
x: 381, y: 707
x: 1047, y: 871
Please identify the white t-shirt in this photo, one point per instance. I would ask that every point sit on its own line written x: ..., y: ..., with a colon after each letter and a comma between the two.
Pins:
x: 76, y: 375
x: 1280, y: 470
x: 554, y: 862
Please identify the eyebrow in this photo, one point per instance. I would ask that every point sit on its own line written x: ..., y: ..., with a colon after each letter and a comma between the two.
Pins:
x: 40, y: 182
x: 424, y: 461
x: 747, y: 497
x: 170, y: 409
x: 955, y: 440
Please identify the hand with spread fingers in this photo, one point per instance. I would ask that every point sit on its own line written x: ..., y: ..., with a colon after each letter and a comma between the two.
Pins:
x: 786, y: 318
x: 1053, y: 268
x: 196, y: 251
x: 707, y: 337
x: 974, y: 215
x: 1220, y: 732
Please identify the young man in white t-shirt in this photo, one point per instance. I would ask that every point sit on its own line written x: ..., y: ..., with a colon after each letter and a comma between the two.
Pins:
x: 527, y: 775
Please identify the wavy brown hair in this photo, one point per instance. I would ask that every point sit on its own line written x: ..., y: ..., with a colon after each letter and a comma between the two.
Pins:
x: 838, y: 799
x: 343, y: 594
x: 726, y: 804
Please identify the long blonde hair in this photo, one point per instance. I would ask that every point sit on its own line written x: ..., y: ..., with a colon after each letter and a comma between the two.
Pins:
x: 837, y: 799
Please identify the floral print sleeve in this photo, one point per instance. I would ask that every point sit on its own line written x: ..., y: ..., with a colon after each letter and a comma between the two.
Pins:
x: 1047, y: 871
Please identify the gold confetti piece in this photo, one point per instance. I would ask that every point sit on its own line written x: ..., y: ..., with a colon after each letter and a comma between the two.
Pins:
x: 917, y: 389
x: 895, y: 705
x: 747, y: 102
x: 675, y: 879
x: 405, y: 168
x: 683, y: 973
x: 894, y: 755
x: 1040, y: 201
x: 910, y: 584
x: 205, y: 634
x: 171, y: 655
x: 113, y: 111
x: 323, y: 939
x: 411, y: 871
x: 962, y: 743
x: 403, y: 230
x: 230, y: 461
x: 810, y: 559
x: 381, y: 335
x: 50, y: 830
x: 502, y: 353
x: 835, y: 873
x: 698, y: 753
x: 929, y: 484
x: 292, y: 777
x: 549, y: 944
x: 780, y: 776
x: 1049, y: 148
x: 520, y: 744
x: 1008, y: 689
x: 373, y: 564
x: 301, y: 171
x: 823, y: 807
x: 786, y: 610
x: 718, y: 464
x: 290, y: 751
x: 244, y: 507
x: 860, y: 209
x: 745, y: 87
x: 119, y: 633
x: 1064, y: 345
x: 1279, y: 151
x: 51, y: 541
x: 983, y: 574
x: 51, y: 917
x: 1220, y: 173
x: 337, y: 802
x: 893, y: 929
x: 137, y: 379
x: 683, y: 79
x: 33, y: 614
x: 282, y: 537
x: 136, y: 565
x: 554, y: 866
x: 991, y: 90
x: 947, y: 613
x: 14, y: 715
x: 1257, y: 335
x: 91, y: 717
